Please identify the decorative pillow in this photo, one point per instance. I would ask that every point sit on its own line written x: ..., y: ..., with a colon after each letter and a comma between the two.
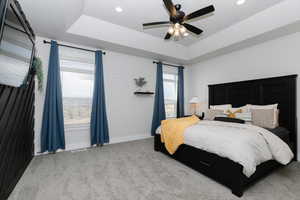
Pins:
x: 211, y: 114
x: 232, y: 120
x: 221, y: 107
x: 231, y: 114
x: 264, y: 118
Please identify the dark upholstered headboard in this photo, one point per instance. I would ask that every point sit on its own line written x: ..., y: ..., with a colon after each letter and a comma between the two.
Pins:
x: 281, y: 90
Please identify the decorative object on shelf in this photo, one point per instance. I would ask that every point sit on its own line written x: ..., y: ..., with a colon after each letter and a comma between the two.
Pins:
x: 38, y: 67
x: 194, y: 102
x: 140, y: 82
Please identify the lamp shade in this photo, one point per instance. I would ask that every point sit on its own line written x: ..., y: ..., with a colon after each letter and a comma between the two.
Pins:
x: 194, y: 100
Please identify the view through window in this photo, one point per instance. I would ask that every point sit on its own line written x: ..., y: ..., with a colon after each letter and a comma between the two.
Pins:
x: 77, y: 89
x: 170, y: 93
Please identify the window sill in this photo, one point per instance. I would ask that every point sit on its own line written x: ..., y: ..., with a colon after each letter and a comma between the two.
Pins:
x: 77, y: 127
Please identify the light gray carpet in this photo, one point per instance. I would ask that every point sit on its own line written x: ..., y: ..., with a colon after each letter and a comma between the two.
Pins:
x: 133, y: 171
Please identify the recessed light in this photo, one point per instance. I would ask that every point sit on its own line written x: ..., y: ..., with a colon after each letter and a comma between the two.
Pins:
x: 118, y: 9
x: 240, y: 2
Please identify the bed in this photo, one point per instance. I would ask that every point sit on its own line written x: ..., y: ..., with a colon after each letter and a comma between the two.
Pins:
x: 281, y: 90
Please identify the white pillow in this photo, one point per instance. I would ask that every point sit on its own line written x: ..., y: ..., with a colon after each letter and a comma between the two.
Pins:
x: 224, y: 107
x: 211, y: 114
x: 266, y: 107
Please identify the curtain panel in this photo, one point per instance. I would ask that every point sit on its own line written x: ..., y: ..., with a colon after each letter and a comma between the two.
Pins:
x: 180, y: 93
x: 99, y: 124
x: 159, y: 112
x: 52, y: 133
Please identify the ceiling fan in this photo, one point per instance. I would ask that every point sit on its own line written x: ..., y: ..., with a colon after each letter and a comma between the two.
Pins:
x: 178, y: 20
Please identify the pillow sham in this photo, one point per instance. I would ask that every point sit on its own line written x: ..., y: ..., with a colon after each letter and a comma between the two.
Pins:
x: 264, y: 118
x: 211, y: 114
x: 221, y: 107
x: 272, y: 106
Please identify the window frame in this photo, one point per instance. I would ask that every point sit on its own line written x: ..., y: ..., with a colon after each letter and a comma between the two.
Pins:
x: 79, y: 126
x: 171, y: 101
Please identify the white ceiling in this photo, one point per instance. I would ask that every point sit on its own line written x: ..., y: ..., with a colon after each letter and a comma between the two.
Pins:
x: 95, y: 23
x: 137, y: 12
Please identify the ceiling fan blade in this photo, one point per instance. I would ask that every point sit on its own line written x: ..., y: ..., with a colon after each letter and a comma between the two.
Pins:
x: 170, y: 6
x: 168, y: 36
x: 156, y: 23
x: 200, y: 12
x: 192, y: 28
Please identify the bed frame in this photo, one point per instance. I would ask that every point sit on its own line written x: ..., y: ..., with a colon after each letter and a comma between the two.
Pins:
x: 281, y: 90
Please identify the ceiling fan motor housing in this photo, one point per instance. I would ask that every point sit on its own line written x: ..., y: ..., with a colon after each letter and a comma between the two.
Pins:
x: 178, y: 18
x: 178, y: 7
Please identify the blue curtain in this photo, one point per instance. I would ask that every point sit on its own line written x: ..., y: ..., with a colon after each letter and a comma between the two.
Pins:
x: 180, y: 93
x: 159, y: 112
x: 99, y: 124
x: 52, y: 134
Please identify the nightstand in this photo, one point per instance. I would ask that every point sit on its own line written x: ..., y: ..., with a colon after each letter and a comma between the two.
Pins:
x: 200, y: 117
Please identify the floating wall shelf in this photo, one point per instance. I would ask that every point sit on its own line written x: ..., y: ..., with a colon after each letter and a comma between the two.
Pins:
x: 143, y: 93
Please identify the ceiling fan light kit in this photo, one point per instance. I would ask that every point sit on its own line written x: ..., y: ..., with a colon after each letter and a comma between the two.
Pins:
x: 179, y: 28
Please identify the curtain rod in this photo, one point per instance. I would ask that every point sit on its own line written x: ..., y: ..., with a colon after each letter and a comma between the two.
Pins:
x: 63, y: 45
x: 155, y: 62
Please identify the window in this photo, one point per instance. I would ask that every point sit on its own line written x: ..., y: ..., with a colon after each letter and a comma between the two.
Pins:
x: 77, y: 91
x: 170, y: 92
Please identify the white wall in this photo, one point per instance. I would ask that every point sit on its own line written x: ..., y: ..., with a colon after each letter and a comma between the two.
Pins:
x: 274, y: 58
x: 129, y: 116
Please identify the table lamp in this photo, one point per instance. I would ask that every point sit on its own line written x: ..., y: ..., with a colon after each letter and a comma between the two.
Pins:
x: 194, y: 104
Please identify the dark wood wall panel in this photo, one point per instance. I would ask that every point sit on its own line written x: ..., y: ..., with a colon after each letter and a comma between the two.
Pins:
x: 16, y: 134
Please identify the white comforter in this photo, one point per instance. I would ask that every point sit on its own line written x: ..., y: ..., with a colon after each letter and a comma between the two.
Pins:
x: 245, y: 144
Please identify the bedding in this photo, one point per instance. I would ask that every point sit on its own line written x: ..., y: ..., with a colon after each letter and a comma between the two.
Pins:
x: 245, y: 144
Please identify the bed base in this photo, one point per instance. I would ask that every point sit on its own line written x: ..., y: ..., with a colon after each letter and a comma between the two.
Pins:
x: 220, y: 169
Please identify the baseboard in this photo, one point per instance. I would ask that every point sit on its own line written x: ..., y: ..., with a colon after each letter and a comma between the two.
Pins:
x: 79, y: 146
x: 129, y: 138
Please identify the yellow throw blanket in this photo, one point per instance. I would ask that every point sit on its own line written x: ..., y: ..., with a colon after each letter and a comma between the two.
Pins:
x: 172, y: 131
